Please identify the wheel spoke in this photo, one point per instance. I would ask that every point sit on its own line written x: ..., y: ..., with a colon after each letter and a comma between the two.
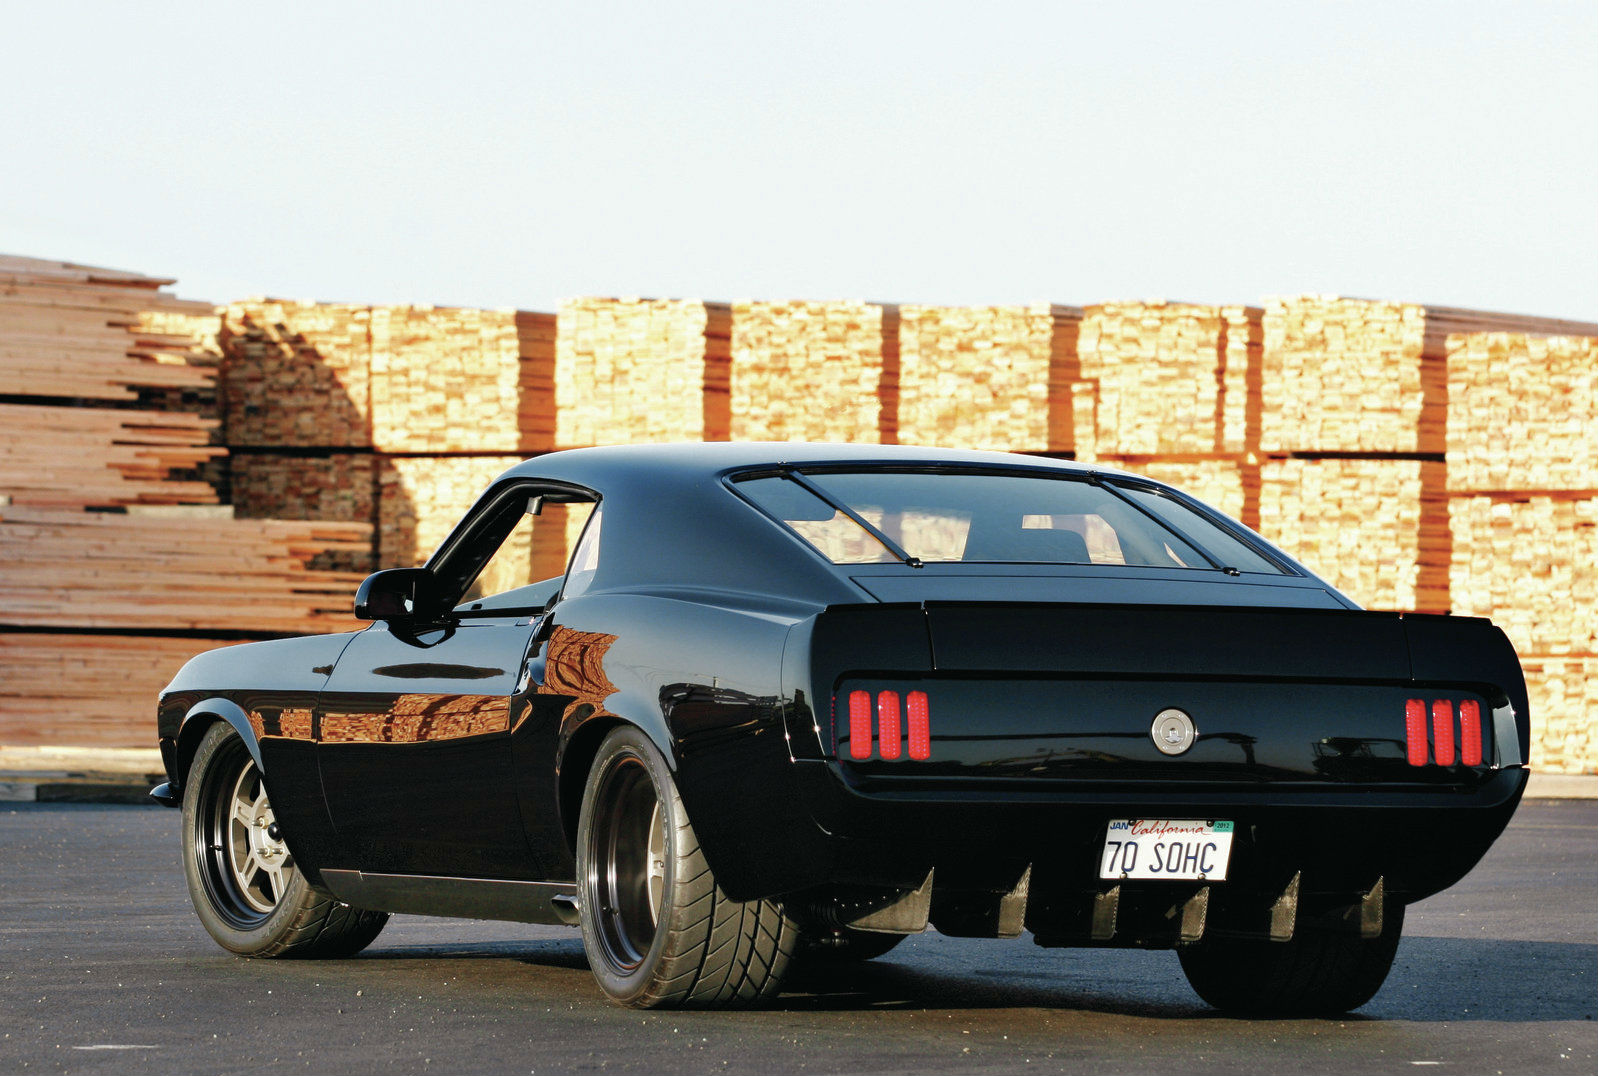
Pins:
x: 655, y: 871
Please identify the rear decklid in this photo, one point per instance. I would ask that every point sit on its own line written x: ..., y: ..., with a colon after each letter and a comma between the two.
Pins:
x: 1053, y: 692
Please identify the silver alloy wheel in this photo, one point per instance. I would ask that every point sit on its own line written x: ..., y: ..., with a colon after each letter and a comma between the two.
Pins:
x: 257, y: 856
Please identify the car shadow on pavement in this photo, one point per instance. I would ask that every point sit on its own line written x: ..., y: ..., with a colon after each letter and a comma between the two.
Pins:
x: 1433, y: 980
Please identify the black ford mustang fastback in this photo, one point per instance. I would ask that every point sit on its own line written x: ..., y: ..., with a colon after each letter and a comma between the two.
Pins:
x: 793, y: 702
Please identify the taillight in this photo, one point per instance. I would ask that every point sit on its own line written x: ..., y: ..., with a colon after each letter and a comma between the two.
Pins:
x: 920, y: 724
x: 1414, y: 730
x: 1469, y: 733
x: 888, y: 724
x: 892, y: 712
x: 1440, y: 749
x: 1443, y: 732
x: 859, y: 724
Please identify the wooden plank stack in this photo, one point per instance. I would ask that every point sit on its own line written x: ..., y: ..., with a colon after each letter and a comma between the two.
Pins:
x: 108, y: 516
x: 994, y: 377
x: 1172, y: 380
x: 1523, y: 479
x: 296, y: 374
x: 633, y: 371
x: 812, y: 371
x: 421, y: 498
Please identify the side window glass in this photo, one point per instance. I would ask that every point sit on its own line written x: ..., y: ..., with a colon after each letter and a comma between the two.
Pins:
x: 585, y: 560
x: 534, y: 549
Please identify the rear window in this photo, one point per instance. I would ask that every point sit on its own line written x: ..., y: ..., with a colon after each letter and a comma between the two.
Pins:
x: 951, y: 517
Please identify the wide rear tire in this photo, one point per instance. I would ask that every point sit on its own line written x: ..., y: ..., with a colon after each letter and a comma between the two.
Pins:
x: 658, y: 930
x: 1317, y: 973
x: 242, y: 879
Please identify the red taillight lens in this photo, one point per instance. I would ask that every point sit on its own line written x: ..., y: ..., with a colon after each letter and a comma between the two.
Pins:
x: 1470, y: 732
x: 888, y: 724
x: 1443, y: 731
x: 1415, y: 730
x: 859, y: 724
x: 915, y: 705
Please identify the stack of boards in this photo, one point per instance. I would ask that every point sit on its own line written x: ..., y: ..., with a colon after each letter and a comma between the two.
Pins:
x: 1418, y: 457
x: 116, y: 559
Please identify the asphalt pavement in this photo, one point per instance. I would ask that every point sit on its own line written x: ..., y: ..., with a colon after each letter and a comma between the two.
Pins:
x: 103, y: 968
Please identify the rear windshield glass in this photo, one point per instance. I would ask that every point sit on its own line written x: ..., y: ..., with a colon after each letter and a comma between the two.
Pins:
x: 943, y: 517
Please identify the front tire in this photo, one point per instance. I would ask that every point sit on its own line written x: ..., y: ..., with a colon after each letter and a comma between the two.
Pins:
x: 246, y: 890
x: 658, y: 930
x: 1317, y: 973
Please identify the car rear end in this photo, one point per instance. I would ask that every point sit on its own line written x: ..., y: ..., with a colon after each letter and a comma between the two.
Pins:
x: 1143, y: 775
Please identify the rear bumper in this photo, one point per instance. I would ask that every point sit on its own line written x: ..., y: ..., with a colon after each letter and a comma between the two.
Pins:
x: 982, y: 837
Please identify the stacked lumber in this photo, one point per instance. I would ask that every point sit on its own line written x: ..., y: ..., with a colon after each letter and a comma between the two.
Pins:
x: 811, y: 371
x: 445, y: 379
x: 77, y: 332
x: 173, y: 569
x: 535, y: 392
x: 1530, y: 563
x: 1172, y: 378
x: 1563, y: 693
x: 1375, y: 529
x: 995, y: 377
x: 420, y: 499
x: 296, y: 374
x: 1522, y: 412
x: 1226, y: 485
x: 80, y: 457
x: 1349, y: 375
x: 631, y: 371
x: 340, y: 487
x: 86, y: 689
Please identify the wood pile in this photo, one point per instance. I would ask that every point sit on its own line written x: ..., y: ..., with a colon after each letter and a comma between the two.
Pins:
x: 1522, y: 412
x: 993, y: 377
x: 81, y: 457
x: 633, y: 371
x: 1172, y: 378
x: 1563, y: 694
x: 1225, y: 485
x: 86, y: 689
x: 296, y: 374
x: 445, y: 379
x: 340, y: 487
x: 1375, y: 529
x: 812, y: 371
x: 420, y: 499
x: 173, y: 569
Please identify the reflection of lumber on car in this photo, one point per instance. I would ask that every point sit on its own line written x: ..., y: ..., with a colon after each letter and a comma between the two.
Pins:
x: 797, y: 701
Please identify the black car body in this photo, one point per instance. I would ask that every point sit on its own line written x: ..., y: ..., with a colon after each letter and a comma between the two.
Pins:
x: 866, y: 740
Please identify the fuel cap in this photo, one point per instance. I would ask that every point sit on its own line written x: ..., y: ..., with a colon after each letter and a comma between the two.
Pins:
x: 1173, y: 732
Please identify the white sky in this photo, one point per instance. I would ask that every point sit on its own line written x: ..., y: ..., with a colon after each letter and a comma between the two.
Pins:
x: 512, y: 154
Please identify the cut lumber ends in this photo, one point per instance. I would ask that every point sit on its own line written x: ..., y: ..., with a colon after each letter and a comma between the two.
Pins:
x: 990, y: 377
x: 340, y: 487
x: 1375, y: 529
x: 1563, y: 695
x: 1522, y: 412
x: 1172, y: 378
x: 296, y: 374
x: 86, y: 689
x: 1531, y: 564
x: 101, y: 457
x: 634, y: 371
x: 420, y: 499
x: 813, y: 371
x: 445, y: 379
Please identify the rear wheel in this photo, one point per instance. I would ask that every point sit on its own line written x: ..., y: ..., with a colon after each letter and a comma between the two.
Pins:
x: 658, y: 930
x: 1318, y: 973
x: 242, y: 879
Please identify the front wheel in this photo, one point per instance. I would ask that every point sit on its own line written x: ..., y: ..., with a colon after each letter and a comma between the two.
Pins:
x: 242, y: 879
x: 658, y: 930
x: 1317, y: 973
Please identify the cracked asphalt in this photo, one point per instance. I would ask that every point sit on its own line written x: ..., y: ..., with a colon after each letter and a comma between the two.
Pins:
x: 103, y: 967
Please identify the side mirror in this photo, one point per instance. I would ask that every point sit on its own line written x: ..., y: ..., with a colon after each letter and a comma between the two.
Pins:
x: 395, y: 594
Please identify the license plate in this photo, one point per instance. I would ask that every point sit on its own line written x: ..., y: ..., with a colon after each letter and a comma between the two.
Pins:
x: 1176, y: 849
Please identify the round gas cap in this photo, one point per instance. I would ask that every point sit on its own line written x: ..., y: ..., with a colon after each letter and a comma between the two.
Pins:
x: 1173, y: 731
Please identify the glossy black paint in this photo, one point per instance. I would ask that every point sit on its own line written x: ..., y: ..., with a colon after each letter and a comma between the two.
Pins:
x: 436, y: 745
